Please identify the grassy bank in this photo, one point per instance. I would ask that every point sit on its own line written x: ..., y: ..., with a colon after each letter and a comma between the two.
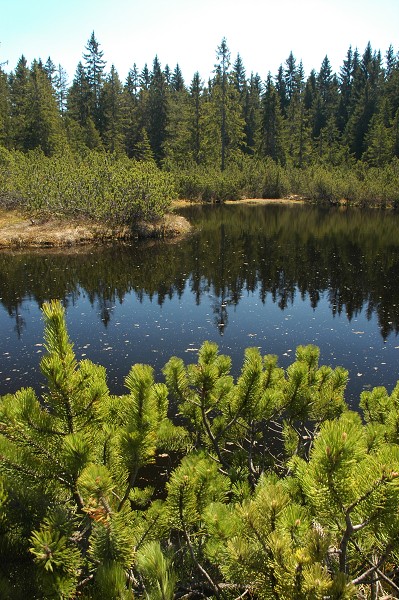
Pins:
x: 18, y: 231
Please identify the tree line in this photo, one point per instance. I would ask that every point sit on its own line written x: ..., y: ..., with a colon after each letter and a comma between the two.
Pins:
x: 292, y: 118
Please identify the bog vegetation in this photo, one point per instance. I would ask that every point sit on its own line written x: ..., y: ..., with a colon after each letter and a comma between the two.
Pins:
x: 266, y: 486
x: 101, y: 147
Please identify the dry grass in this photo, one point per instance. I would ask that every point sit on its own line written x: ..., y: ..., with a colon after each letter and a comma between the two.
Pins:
x: 293, y: 199
x: 17, y: 231
x: 289, y: 200
x: 10, y: 217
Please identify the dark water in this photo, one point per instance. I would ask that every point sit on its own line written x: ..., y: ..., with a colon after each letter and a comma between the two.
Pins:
x: 267, y: 276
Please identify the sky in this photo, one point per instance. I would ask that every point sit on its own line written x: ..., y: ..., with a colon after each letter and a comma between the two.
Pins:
x: 188, y: 32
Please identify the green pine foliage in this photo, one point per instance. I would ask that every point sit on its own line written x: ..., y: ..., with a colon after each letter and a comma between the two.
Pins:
x: 274, y: 489
x: 97, y: 186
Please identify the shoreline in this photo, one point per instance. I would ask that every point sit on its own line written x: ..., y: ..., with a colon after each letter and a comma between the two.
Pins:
x: 19, y: 231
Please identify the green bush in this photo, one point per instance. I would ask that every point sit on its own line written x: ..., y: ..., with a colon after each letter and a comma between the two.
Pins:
x: 281, y: 492
x: 247, y: 178
x: 98, y: 186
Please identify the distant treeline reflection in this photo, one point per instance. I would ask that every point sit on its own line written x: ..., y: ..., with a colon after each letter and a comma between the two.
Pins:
x: 277, y: 251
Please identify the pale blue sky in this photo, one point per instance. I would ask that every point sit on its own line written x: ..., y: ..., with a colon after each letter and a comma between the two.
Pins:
x: 189, y: 31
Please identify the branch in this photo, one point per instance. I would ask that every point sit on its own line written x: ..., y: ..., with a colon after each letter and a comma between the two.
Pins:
x: 374, y: 568
x: 33, y: 474
x: 350, y: 528
x: 83, y: 582
x: 45, y: 431
x: 376, y: 485
x: 145, y: 534
x: 132, y: 479
x: 210, y: 434
x: 40, y: 449
x: 199, y: 589
x: 215, y: 587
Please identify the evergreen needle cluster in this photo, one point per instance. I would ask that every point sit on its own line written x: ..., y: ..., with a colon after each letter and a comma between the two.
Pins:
x: 266, y: 486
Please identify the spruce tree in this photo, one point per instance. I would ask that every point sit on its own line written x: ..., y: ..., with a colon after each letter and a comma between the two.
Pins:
x: 5, y: 133
x: 145, y: 78
x: 19, y: 81
x: 94, y: 69
x: 78, y: 101
x: 367, y: 77
x: 168, y: 75
x: 345, y: 79
x: 178, y: 143
x: 252, y: 114
x: 390, y: 61
x: 379, y: 139
x: 142, y: 150
x: 391, y: 86
x: 44, y: 126
x: 297, y: 131
x: 281, y: 89
x: 157, y: 110
x: 223, y: 122
x: 111, y: 112
x: 81, y: 129
x: 239, y: 77
x: 49, y: 68
x: 196, y: 89
x: 272, y: 127
x: 222, y: 70
x: 177, y: 80
x: 131, y: 123
x: 60, y: 83
x: 291, y: 76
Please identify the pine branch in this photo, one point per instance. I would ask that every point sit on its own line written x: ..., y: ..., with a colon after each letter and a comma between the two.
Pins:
x: 234, y: 419
x: 374, y: 568
x: 350, y: 528
x: 146, y: 533
x: 132, y: 479
x: 215, y: 586
x: 45, y: 431
x: 267, y: 552
x: 211, y: 436
x: 84, y: 582
x: 30, y: 442
x: 375, y: 486
x: 33, y: 474
x: 251, y: 467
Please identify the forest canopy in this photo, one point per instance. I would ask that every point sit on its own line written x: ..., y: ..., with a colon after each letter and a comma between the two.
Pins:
x: 289, y: 117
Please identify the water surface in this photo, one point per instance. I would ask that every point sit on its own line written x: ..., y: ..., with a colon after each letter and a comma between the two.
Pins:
x: 270, y: 276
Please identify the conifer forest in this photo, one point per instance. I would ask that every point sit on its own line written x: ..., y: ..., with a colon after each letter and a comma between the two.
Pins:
x: 325, y: 136
x: 262, y: 486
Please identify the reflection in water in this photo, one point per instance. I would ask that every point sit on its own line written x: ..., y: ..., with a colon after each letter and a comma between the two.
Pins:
x: 297, y: 258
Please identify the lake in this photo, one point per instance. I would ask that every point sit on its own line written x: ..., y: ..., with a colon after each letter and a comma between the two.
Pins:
x: 272, y: 276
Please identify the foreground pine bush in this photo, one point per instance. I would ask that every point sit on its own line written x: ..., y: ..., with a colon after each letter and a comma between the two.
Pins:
x: 269, y: 488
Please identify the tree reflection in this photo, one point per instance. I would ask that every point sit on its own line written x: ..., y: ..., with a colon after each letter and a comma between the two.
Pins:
x: 274, y: 251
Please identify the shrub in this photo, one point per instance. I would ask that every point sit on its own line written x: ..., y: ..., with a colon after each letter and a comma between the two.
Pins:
x: 97, y: 185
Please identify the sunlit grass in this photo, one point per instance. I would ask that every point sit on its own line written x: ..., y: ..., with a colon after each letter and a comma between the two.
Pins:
x: 10, y: 217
